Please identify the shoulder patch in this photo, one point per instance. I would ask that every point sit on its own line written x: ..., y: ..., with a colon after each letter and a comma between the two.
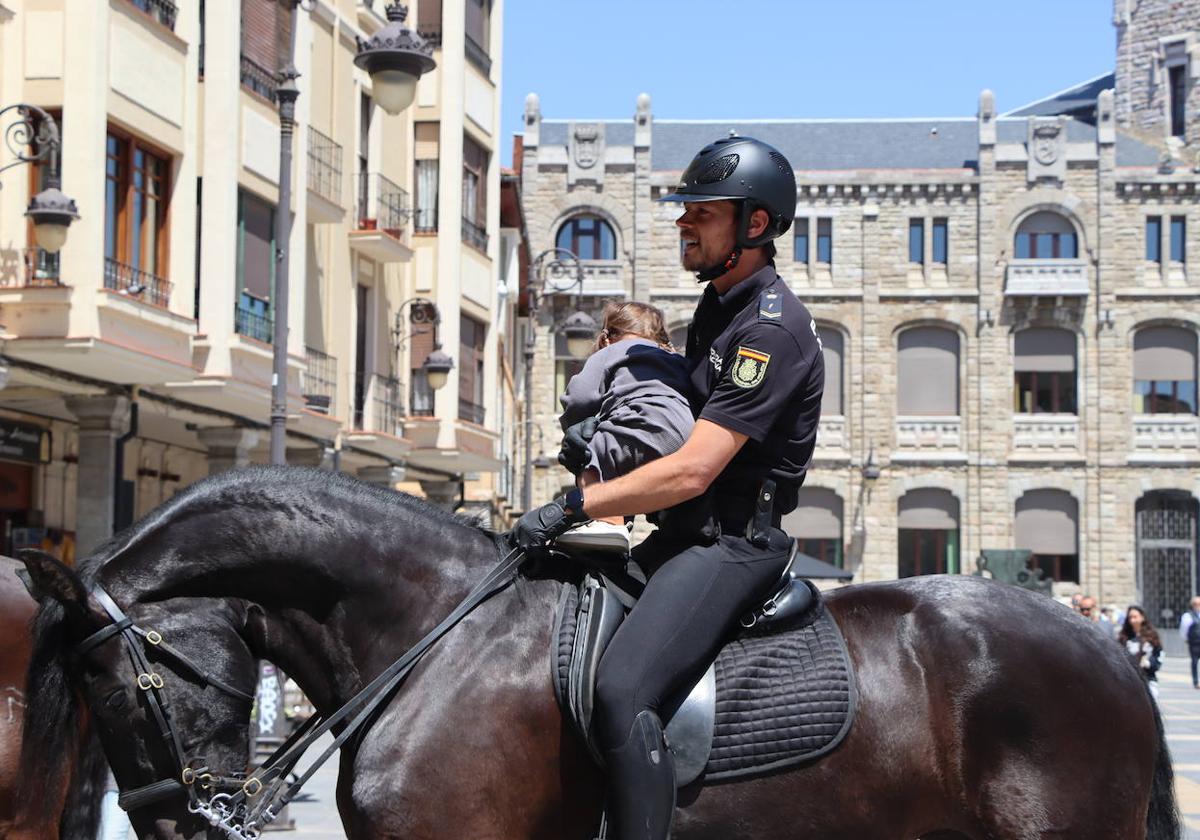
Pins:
x: 749, y: 367
x: 770, y: 305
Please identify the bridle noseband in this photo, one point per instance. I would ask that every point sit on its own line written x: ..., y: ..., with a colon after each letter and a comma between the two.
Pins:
x: 151, y: 684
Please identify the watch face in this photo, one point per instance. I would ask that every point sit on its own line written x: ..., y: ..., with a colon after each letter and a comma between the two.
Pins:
x: 575, y: 500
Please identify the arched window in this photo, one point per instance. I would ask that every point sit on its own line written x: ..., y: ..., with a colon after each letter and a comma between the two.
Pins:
x: 1044, y: 371
x: 1164, y: 371
x: 1047, y: 523
x: 928, y: 380
x: 588, y: 237
x: 928, y: 542
x: 833, y: 345
x: 1046, y: 236
x: 816, y: 523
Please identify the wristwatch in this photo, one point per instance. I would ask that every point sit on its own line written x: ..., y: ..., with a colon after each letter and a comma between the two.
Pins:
x: 574, y: 504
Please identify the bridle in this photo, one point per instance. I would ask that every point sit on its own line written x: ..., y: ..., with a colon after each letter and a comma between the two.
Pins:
x: 151, y: 684
x: 245, y: 804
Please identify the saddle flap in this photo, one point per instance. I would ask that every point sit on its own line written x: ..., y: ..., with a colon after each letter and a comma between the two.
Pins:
x: 600, y: 615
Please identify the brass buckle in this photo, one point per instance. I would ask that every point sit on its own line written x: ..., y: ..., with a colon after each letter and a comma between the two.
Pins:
x: 188, y: 776
x: 154, y: 637
x: 206, y: 780
x: 252, y: 786
x: 148, y: 681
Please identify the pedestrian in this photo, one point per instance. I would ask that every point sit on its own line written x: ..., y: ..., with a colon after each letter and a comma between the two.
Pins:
x: 757, y: 375
x: 1143, y: 646
x: 1089, y: 610
x: 1189, y: 631
x: 635, y: 386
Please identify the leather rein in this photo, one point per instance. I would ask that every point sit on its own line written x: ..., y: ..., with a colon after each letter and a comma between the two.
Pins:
x: 242, y: 805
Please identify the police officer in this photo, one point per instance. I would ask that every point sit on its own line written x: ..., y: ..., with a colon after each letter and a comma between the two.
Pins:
x: 758, y: 376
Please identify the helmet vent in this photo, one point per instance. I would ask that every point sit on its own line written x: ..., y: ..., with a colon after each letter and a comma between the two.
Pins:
x: 782, y: 163
x: 718, y: 170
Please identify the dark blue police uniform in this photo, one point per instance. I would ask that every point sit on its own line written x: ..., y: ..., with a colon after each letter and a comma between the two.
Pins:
x: 757, y: 370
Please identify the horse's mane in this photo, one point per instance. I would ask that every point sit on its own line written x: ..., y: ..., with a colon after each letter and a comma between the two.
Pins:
x: 53, y: 722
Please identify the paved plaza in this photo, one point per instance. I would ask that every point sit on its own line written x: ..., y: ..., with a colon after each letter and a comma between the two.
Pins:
x: 1181, y: 708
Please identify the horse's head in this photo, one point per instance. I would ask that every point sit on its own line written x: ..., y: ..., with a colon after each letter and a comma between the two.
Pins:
x: 169, y: 685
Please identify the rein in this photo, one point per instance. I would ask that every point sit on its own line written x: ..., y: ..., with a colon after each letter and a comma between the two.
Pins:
x: 250, y: 803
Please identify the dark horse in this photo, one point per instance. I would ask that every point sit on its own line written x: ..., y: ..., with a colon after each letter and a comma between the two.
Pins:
x: 982, y: 707
x: 76, y: 770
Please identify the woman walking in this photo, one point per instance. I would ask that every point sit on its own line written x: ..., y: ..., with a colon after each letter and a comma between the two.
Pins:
x: 1143, y: 646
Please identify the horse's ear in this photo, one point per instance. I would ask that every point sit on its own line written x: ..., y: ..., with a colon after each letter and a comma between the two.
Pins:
x: 46, y: 577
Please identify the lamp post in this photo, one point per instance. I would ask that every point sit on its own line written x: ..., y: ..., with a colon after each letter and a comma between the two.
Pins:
x: 563, y: 272
x: 50, y: 210
x: 437, y: 364
x: 396, y: 57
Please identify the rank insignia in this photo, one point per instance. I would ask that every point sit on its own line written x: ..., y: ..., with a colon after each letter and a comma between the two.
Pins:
x: 749, y: 367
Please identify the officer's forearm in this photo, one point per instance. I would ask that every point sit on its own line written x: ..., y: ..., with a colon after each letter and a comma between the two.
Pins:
x: 670, y: 480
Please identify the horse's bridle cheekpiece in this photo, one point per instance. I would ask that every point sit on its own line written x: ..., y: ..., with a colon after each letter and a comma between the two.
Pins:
x: 245, y: 804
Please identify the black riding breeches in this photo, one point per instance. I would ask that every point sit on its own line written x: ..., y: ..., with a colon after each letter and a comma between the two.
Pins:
x: 691, y: 605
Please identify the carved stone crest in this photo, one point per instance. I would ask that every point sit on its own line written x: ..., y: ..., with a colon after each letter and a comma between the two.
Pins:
x: 1046, y: 143
x: 587, y: 147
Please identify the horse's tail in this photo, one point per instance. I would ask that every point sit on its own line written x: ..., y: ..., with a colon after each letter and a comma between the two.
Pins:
x: 81, y: 814
x: 1162, y: 819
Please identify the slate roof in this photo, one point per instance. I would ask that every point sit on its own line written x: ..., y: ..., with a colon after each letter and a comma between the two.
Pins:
x: 814, y: 145
x: 1076, y: 100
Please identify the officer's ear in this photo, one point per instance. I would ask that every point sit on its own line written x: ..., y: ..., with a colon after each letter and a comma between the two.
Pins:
x: 759, y: 219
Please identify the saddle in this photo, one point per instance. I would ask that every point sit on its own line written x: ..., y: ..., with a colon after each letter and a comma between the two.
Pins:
x: 781, y: 691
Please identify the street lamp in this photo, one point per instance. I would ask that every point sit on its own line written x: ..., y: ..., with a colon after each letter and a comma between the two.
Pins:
x: 554, y: 271
x: 51, y: 211
x: 437, y: 364
x: 395, y: 57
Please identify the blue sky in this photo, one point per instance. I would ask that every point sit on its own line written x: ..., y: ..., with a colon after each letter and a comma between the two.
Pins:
x: 751, y: 59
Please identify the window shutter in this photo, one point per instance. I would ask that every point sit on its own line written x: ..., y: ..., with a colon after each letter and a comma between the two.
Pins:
x: 257, y: 246
x: 929, y: 509
x: 428, y: 142
x: 266, y: 32
x: 928, y: 381
x: 1044, y: 349
x: 818, y: 515
x: 1046, y: 522
x: 1164, y: 353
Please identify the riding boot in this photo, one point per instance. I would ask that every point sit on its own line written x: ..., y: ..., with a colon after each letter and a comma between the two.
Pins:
x: 642, y: 782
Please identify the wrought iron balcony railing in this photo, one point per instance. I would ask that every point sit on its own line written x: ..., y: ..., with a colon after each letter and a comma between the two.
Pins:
x: 324, y: 166
x: 253, y: 324
x: 478, y: 56
x: 258, y: 79
x: 163, y: 11
x: 387, y: 398
x: 474, y: 235
x: 320, y: 380
x: 470, y: 411
x: 36, y: 268
x: 137, y: 284
x: 382, y: 204
x: 420, y: 395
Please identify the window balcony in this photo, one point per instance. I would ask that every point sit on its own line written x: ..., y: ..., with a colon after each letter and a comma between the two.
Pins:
x: 1046, y: 278
x: 387, y: 405
x: 831, y: 435
x: 163, y: 11
x: 478, y: 56
x: 604, y: 278
x: 37, y: 269
x: 1165, y: 437
x: 324, y: 178
x: 1049, y: 434
x: 934, y: 437
x: 252, y: 324
x: 137, y: 284
x: 470, y: 411
x: 383, y: 212
x: 319, y: 383
x: 258, y: 79
x: 474, y: 235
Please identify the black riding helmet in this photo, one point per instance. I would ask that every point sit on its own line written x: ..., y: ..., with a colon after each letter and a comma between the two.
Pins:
x: 746, y: 170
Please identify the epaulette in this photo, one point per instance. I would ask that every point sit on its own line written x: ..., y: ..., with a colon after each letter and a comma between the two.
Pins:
x: 770, y: 305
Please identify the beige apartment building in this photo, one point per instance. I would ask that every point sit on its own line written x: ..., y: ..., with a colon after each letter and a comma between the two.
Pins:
x: 139, y: 359
x: 1009, y: 306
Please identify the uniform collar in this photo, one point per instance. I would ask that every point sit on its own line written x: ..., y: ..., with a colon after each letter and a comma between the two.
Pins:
x: 737, y: 297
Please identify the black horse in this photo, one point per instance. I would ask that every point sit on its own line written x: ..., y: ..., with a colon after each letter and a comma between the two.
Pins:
x: 983, y: 709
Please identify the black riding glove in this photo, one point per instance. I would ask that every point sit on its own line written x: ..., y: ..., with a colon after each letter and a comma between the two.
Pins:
x: 574, y: 454
x: 543, y: 525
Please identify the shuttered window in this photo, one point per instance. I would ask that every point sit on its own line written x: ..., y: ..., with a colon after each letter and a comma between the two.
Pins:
x: 1164, y: 371
x: 833, y: 344
x: 1046, y: 523
x: 928, y: 378
x: 256, y: 246
x: 472, y: 336
x: 266, y: 32
x: 928, y: 533
x: 1044, y: 371
x: 816, y: 523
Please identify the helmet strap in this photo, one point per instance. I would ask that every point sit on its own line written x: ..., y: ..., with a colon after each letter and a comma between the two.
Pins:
x: 723, y: 267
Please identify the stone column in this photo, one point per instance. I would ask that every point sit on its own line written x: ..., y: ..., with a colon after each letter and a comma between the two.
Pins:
x: 228, y: 447
x: 442, y: 493
x: 101, y: 421
x: 320, y: 457
x: 388, y: 475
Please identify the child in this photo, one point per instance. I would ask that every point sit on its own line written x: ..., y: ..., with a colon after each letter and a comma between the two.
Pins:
x: 636, y: 386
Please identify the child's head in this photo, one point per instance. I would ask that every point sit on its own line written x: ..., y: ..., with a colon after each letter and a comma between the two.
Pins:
x: 632, y: 319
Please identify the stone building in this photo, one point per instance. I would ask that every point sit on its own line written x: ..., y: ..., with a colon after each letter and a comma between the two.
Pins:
x: 139, y: 359
x: 1008, y: 312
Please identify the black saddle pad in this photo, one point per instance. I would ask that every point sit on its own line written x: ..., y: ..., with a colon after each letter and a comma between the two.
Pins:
x: 783, y: 699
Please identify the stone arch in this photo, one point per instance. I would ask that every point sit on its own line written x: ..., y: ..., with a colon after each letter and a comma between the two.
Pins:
x: 569, y: 206
x: 1047, y: 200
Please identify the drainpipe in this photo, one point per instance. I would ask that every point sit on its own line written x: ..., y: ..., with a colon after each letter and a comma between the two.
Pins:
x: 119, y: 460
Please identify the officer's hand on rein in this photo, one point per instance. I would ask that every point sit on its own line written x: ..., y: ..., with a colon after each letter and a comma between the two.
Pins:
x: 574, y: 453
x: 543, y: 525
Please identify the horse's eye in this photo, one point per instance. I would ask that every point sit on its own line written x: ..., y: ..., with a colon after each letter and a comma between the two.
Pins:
x: 117, y: 699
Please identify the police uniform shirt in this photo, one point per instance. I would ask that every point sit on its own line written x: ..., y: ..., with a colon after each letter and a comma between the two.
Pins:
x: 758, y: 369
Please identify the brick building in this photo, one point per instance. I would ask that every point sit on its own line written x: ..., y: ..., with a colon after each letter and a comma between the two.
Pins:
x: 1008, y: 313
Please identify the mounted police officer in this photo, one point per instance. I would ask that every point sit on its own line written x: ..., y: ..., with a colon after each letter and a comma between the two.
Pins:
x: 758, y: 375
